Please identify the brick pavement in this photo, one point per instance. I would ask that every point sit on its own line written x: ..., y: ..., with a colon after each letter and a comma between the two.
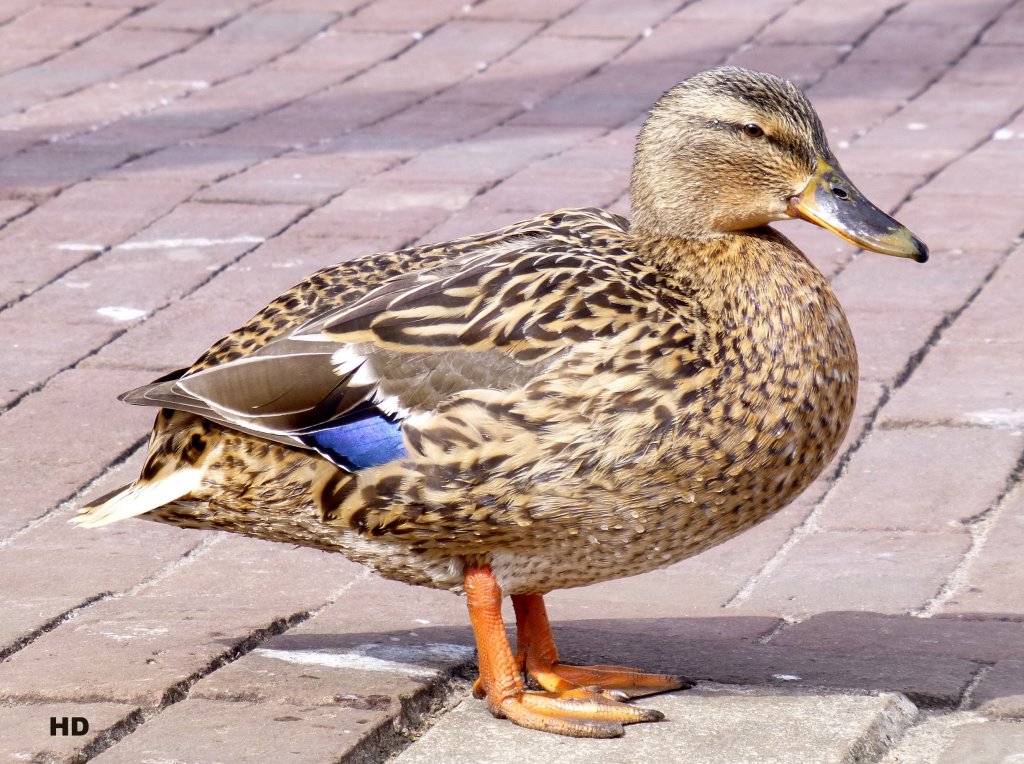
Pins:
x: 167, y: 166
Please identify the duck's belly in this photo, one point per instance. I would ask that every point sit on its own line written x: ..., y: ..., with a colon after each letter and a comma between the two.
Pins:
x: 583, y: 529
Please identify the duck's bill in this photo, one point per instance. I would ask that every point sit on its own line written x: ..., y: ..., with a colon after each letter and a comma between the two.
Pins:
x: 833, y: 202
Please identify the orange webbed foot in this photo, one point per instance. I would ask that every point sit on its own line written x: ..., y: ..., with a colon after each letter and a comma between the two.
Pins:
x: 539, y: 658
x: 577, y: 701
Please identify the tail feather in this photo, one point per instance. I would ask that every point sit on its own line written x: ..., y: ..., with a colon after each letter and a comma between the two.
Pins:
x: 139, y: 498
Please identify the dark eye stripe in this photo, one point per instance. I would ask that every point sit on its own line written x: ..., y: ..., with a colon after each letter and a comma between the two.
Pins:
x: 794, y: 147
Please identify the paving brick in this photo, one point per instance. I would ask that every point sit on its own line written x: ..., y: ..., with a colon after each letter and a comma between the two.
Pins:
x: 197, y: 163
x: 877, y: 284
x: 209, y: 111
x: 803, y: 64
x: 202, y: 225
x: 101, y: 58
x: 10, y: 209
x: 966, y: 383
x: 607, y: 99
x: 356, y: 648
x: 823, y: 22
x: 188, y: 15
x: 732, y: 9
x: 446, y: 118
x: 56, y: 27
x: 27, y: 729
x: 383, y: 90
x: 398, y: 16
x: 40, y: 172
x: 889, y: 572
x: 391, y: 210
x: 296, y: 178
x: 991, y: 582
x: 710, y: 726
x: 96, y: 106
x: 981, y: 109
x: 94, y: 429
x: 922, y: 479
x: 984, y: 171
x: 1009, y: 30
x: 953, y: 16
x: 533, y: 10
x: 71, y: 228
x: 969, y: 223
x: 334, y: 6
x: 176, y: 626
x: 985, y: 641
x: 34, y: 597
x: 989, y: 318
x: 993, y: 741
x: 608, y: 18
x: 104, y: 296
x: 339, y: 52
x: 905, y: 43
x: 469, y: 46
x: 216, y: 732
x: 989, y: 65
x: 317, y: 119
x: 14, y: 9
x: 243, y: 43
x: 177, y: 335
x: 493, y: 156
x: 1000, y: 693
x: 653, y: 645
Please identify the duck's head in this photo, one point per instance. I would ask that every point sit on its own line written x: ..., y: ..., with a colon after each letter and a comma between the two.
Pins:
x: 731, y: 149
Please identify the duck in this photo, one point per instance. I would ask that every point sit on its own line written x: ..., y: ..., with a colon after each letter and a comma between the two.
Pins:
x: 571, y: 399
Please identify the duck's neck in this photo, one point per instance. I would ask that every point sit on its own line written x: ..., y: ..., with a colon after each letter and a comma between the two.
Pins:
x: 747, y: 277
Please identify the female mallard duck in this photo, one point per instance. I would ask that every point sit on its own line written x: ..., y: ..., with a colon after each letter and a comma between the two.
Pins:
x: 571, y: 399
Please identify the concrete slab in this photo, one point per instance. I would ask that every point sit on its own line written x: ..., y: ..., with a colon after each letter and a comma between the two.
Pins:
x: 703, y: 726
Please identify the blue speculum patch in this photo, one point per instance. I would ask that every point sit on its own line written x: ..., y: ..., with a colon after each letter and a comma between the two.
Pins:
x: 367, y: 439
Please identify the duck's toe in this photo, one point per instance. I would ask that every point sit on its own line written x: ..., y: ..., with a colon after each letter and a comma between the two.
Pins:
x: 581, y: 712
x: 616, y: 681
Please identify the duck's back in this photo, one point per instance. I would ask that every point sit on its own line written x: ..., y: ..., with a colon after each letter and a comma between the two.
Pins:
x: 571, y: 230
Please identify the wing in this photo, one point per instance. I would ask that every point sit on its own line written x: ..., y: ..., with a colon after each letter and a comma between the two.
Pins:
x: 491, y: 318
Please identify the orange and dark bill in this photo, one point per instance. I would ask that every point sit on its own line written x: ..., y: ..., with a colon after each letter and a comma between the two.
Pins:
x: 833, y: 202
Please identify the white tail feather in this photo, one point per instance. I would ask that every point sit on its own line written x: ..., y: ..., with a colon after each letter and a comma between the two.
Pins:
x: 140, y: 498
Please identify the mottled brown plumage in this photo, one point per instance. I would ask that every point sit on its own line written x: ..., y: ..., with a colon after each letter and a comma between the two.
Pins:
x: 578, y: 399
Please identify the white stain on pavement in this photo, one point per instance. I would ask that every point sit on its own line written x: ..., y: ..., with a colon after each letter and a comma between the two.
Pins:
x: 121, y: 314
x: 180, y: 243
x: 404, y: 659
x: 1009, y: 419
x: 77, y: 246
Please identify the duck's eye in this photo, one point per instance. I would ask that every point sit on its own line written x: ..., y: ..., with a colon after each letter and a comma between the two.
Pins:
x: 753, y: 130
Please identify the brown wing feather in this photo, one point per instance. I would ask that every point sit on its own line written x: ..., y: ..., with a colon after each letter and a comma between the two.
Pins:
x: 481, y: 319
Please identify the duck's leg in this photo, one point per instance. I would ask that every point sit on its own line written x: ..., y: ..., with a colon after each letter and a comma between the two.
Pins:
x: 537, y: 654
x: 579, y: 712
